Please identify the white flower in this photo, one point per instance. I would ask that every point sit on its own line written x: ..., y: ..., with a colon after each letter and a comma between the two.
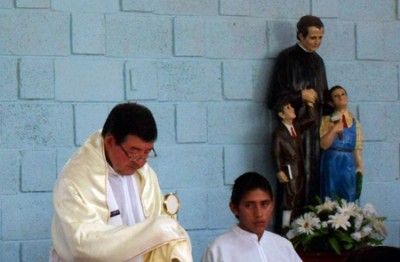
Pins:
x: 348, y: 209
x: 358, y: 221
x: 365, y: 231
x: 356, y: 236
x: 369, y: 211
x: 379, y: 227
x: 292, y: 233
x: 332, y: 219
x: 307, y: 223
x: 328, y: 205
x: 339, y: 221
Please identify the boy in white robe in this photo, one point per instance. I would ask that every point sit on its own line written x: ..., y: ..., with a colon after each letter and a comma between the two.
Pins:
x: 108, y: 203
x: 252, y: 204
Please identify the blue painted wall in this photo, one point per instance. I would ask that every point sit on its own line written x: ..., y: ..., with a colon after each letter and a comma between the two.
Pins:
x: 202, y: 68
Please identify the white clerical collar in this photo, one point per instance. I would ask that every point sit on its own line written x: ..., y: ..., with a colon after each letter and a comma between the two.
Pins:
x: 245, y: 234
x: 303, y: 48
x: 112, y: 171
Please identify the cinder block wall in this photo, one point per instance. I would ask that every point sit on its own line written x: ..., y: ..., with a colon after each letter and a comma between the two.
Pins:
x: 202, y: 68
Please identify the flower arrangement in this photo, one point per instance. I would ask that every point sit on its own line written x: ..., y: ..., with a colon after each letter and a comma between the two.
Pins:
x: 336, y: 226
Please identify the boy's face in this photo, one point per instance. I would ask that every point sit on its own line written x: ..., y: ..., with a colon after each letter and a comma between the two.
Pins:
x: 313, y: 40
x: 339, y: 99
x: 254, y: 211
x: 288, y: 113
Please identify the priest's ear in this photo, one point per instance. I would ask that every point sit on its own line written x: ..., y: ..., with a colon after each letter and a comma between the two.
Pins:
x: 109, y: 140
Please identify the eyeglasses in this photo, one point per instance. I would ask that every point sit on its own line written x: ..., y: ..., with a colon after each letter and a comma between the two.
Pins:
x: 136, y: 157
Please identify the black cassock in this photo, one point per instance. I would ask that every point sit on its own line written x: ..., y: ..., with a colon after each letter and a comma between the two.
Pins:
x: 295, y: 70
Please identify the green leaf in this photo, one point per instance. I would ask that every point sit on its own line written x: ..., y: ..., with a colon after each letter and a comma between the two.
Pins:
x: 344, y: 237
x: 312, y: 209
x: 334, y: 244
x: 319, y: 200
x: 306, y: 241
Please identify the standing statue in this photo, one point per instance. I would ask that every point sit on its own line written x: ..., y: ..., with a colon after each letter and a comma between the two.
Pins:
x: 289, y: 160
x: 299, y: 72
x: 341, y: 158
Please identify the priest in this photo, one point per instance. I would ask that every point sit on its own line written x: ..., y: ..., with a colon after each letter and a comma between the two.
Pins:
x: 107, y: 200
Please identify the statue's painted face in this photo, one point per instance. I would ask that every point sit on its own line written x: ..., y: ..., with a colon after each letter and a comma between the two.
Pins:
x: 313, y: 40
x: 339, y: 99
x: 288, y: 113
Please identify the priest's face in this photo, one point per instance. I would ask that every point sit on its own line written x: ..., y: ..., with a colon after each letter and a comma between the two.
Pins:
x: 128, y: 156
x: 313, y: 40
x: 254, y: 211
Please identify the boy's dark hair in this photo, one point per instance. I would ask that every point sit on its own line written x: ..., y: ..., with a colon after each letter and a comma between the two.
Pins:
x: 281, y: 103
x: 130, y: 119
x: 305, y: 22
x: 248, y: 182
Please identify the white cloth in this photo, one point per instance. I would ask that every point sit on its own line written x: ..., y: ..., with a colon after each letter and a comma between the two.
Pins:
x: 126, y: 192
x: 123, y: 199
x: 242, y: 246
